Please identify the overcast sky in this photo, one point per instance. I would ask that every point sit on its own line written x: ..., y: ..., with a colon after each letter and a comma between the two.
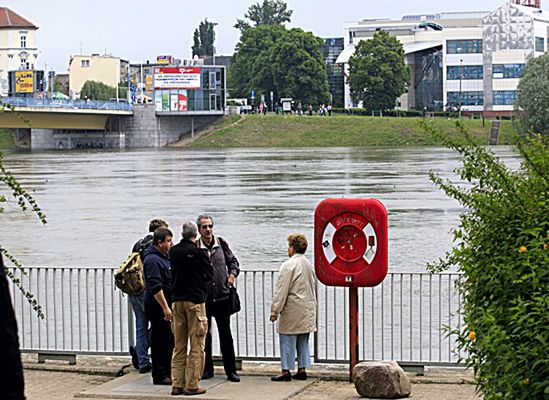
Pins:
x: 140, y: 30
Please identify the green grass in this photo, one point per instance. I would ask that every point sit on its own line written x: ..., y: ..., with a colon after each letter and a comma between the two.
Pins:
x: 335, y: 131
x: 6, y: 142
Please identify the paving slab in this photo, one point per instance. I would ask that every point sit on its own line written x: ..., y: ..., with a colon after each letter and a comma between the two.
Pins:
x: 139, y: 387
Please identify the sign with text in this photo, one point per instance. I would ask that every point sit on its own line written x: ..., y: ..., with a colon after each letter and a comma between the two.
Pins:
x: 24, y: 81
x: 164, y: 59
x: 177, y: 78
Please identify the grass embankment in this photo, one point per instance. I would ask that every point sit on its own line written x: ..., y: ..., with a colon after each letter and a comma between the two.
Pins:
x: 6, y: 141
x: 338, y: 130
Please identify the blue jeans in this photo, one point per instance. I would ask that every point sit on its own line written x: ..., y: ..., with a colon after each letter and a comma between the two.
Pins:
x: 141, y: 329
x: 288, y: 345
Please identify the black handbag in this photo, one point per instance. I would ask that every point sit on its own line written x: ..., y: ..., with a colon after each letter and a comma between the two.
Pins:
x: 234, y: 301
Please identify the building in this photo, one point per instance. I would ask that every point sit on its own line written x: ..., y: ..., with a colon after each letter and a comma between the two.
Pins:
x: 469, y: 61
x: 330, y: 51
x: 100, y: 68
x: 18, y: 49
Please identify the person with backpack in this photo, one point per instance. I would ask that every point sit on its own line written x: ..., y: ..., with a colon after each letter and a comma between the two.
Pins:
x: 140, y: 353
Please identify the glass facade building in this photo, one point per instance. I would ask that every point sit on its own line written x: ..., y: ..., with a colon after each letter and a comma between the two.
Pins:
x: 331, y: 49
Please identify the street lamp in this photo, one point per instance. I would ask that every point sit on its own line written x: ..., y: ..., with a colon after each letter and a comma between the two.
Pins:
x: 460, y: 79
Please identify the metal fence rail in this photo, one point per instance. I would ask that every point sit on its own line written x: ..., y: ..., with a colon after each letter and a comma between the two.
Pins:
x: 402, y: 319
x: 68, y: 103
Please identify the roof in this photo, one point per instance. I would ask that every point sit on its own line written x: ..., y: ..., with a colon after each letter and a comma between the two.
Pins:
x: 409, y: 48
x: 9, y: 19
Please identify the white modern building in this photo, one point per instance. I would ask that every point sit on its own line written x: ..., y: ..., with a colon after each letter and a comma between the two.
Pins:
x: 467, y: 60
x: 18, y: 49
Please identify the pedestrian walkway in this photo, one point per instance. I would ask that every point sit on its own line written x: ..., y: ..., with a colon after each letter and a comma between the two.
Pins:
x: 97, y: 377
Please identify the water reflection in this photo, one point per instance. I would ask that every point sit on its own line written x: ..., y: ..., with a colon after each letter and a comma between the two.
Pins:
x: 98, y: 203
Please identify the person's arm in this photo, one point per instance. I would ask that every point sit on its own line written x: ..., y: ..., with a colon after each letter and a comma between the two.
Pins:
x: 233, y: 266
x: 159, y: 296
x: 281, y: 291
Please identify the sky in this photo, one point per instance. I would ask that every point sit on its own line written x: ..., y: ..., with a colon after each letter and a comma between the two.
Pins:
x: 138, y: 30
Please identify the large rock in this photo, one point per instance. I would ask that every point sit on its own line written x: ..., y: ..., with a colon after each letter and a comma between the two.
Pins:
x: 382, y: 380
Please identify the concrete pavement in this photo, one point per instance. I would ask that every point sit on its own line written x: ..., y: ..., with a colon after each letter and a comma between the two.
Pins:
x: 99, y: 378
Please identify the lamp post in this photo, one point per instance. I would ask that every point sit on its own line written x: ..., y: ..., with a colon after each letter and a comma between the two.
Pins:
x: 460, y: 79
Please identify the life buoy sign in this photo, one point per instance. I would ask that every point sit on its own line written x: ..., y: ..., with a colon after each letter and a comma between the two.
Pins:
x: 351, y: 242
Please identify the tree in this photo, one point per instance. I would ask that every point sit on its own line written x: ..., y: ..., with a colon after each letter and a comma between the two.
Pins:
x: 270, y: 12
x: 533, y: 95
x: 377, y: 72
x: 502, y: 249
x: 298, y: 67
x: 94, y: 90
x: 251, y: 68
x: 204, y: 38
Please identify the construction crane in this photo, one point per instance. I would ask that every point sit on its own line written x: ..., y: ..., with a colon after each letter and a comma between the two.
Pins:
x: 528, y: 3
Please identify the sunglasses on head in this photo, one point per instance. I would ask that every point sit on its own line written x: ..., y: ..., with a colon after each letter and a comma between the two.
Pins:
x: 207, y: 226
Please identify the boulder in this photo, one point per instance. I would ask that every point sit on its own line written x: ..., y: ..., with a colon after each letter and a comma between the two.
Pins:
x: 382, y: 380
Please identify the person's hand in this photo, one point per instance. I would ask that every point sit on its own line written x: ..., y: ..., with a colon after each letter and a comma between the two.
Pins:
x: 168, y: 316
x: 230, y: 280
x: 273, y: 318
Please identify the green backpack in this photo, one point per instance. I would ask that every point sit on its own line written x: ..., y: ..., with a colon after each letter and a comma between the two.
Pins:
x: 130, y: 276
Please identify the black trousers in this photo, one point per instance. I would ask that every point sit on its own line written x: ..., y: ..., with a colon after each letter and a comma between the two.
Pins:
x: 161, y: 343
x: 220, y: 311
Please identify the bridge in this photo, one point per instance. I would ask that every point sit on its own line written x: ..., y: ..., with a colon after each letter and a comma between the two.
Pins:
x: 42, y: 113
x: 48, y: 124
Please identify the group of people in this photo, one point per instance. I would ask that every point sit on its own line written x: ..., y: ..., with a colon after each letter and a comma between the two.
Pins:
x: 187, y: 284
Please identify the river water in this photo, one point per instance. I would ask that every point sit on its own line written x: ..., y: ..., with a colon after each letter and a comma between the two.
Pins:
x: 98, y: 203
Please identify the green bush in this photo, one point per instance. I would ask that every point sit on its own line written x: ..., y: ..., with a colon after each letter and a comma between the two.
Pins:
x: 502, y: 249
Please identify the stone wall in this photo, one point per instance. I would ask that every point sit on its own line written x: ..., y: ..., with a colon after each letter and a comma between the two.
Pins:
x: 142, y: 130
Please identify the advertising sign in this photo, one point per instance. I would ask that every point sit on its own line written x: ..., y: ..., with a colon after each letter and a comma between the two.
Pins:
x: 177, y: 78
x: 182, y: 101
x: 24, y: 81
x: 149, y: 83
x: 158, y: 101
x: 164, y: 59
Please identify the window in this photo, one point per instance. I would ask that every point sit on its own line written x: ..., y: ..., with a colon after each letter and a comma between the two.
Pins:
x: 85, y: 63
x: 464, y: 46
x: 466, y: 98
x: 540, y: 44
x: 466, y: 71
x: 23, y: 36
x: 504, y: 97
x: 506, y: 71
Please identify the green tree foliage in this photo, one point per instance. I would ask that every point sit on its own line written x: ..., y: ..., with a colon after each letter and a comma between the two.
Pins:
x: 25, y: 202
x: 502, y: 249
x: 204, y: 38
x: 251, y: 68
x: 286, y: 62
x: 298, y: 67
x: 533, y: 95
x: 94, y: 90
x: 270, y: 12
x: 377, y: 72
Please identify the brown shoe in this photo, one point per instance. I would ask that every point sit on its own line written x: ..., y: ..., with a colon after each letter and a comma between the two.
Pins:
x: 176, y: 391
x: 192, y: 392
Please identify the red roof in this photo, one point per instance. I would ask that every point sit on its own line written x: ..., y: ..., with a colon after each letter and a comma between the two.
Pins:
x: 9, y: 19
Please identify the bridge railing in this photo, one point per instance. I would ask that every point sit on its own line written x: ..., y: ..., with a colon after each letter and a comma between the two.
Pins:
x: 35, y: 102
x: 402, y: 319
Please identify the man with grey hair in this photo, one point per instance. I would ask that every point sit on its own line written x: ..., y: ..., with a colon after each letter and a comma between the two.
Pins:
x: 192, y: 273
x: 225, y: 270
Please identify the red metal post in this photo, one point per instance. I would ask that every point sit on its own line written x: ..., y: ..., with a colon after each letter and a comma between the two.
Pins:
x: 353, y: 330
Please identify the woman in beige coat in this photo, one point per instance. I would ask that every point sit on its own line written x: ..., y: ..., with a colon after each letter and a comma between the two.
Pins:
x: 294, y: 302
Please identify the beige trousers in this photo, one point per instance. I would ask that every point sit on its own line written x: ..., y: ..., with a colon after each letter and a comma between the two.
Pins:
x: 189, y: 326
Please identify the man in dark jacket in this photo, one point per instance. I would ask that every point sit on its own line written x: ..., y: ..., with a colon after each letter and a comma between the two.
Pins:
x: 140, y: 353
x: 192, y: 275
x: 225, y: 270
x: 12, y: 384
x: 158, y: 282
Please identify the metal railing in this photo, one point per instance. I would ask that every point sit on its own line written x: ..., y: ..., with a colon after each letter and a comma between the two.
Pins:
x: 402, y: 319
x: 35, y: 102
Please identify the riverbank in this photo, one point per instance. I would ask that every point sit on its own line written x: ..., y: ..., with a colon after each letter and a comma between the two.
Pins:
x: 336, y: 131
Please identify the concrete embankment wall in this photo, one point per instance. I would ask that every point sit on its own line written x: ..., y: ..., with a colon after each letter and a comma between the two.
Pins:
x: 144, y: 129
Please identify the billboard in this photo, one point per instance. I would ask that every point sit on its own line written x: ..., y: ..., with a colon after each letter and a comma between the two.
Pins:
x: 177, y: 78
x: 164, y: 59
x: 24, y: 81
